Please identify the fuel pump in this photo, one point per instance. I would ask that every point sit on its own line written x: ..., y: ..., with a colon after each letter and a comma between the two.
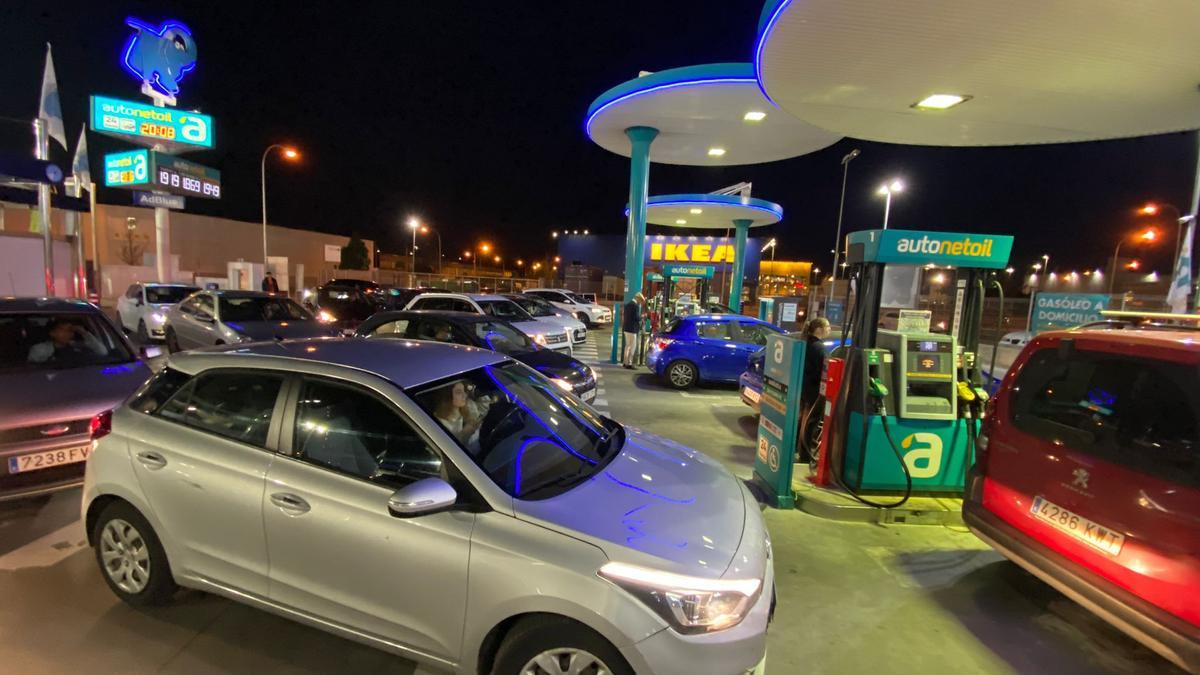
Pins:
x: 906, y: 413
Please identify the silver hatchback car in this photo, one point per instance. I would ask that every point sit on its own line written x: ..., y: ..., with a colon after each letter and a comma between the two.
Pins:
x: 439, y: 501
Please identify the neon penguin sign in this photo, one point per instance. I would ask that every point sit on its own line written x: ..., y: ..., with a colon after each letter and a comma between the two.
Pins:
x: 159, y: 57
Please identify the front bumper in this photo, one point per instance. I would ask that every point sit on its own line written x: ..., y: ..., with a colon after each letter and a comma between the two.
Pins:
x: 600, y: 315
x: 579, y: 336
x: 1171, y: 637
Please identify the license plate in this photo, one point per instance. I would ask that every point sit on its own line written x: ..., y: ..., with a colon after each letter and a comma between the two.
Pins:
x: 751, y: 394
x: 49, y: 458
x: 588, y: 395
x: 1077, y: 526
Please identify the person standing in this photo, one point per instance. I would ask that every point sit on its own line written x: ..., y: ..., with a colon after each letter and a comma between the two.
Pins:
x: 269, y: 284
x: 815, y: 332
x: 631, y: 324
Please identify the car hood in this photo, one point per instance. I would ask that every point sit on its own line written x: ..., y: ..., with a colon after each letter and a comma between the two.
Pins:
x: 30, y: 397
x: 548, y: 362
x: 657, y: 503
x: 277, y: 330
x: 537, y: 326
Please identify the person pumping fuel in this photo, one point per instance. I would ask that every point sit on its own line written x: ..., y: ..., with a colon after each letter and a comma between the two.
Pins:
x: 814, y: 333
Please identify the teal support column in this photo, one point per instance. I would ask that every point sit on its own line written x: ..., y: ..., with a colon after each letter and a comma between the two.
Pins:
x: 742, y: 227
x: 639, y: 192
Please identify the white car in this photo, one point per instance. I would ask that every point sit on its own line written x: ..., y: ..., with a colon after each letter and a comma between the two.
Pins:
x: 142, y: 310
x: 579, y: 308
x: 545, y: 333
x: 542, y: 310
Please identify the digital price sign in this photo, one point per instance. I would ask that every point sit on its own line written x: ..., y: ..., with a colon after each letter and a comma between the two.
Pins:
x: 150, y: 125
x: 164, y: 173
x: 182, y: 177
x: 127, y: 169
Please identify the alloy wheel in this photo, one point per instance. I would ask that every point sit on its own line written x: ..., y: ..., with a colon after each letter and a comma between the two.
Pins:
x: 125, y: 556
x: 565, y: 661
x: 681, y: 375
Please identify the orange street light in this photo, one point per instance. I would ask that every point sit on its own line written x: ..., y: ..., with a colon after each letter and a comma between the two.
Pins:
x: 1147, y: 236
x: 291, y: 153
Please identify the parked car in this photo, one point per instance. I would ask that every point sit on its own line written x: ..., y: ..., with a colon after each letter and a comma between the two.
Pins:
x: 345, y: 307
x: 706, y: 348
x: 544, y: 311
x: 142, y: 310
x: 210, y: 318
x: 397, y: 297
x: 63, y: 365
x: 336, y: 483
x: 750, y: 383
x: 544, y: 333
x: 479, y: 330
x: 576, y: 306
x: 1088, y: 476
x: 365, y: 285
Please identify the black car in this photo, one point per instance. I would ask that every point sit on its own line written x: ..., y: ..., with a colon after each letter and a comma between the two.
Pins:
x: 398, y: 297
x: 481, y: 330
x: 344, y: 306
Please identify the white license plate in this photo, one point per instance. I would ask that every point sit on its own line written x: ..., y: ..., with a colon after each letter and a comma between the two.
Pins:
x: 588, y: 395
x: 1087, y: 531
x: 751, y: 394
x: 45, y: 460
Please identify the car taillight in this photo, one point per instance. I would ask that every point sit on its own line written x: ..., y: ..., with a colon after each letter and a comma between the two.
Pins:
x: 100, y: 425
x: 661, y: 343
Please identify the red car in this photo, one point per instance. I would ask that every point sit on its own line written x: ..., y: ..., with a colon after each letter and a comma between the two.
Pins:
x: 1088, y: 476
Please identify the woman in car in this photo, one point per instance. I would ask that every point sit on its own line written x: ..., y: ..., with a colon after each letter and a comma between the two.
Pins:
x: 456, y: 412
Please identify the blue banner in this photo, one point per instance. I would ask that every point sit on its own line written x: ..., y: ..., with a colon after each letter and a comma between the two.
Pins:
x: 1052, y: 311
x: 914, y: 247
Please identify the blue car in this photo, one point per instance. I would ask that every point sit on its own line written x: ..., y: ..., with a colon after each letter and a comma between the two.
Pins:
x: 708, y: 348
x: 751, y: 382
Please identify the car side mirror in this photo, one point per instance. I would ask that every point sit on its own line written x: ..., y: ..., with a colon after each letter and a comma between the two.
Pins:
x: 150, y: 351
x: 423, y: 497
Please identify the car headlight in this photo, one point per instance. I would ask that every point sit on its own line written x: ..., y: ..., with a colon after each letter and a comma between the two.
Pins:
x: 158, y: 317
x: 689, y: 604
x: 325, y: 316
x: 562, y: 384
x: 540, y: 339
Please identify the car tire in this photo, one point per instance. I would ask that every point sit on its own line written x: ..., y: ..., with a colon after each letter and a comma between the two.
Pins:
x: 172, y: 341
x: 583, y: 318
x: 143, y: 335
x: 549, y: 645
x: 131, y: 558
x: 682, y: 374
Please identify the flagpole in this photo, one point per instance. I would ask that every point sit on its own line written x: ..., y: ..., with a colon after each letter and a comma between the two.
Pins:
x: 42, y: 141
x: 95, y: 243
x: 1192, y: 225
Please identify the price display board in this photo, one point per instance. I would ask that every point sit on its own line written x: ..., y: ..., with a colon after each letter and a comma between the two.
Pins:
x: 150, y: 125
x: 127, y: 169
x: 181, y: 177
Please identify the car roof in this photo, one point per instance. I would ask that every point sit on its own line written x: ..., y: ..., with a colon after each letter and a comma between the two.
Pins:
x: 1181, y: 339
x: 61, y: 305
x: 407, y: 363
x: 449, y: 315
x: 244, y: 294
x: 155, y: 284
x: 469, y: 296
x: 718, y: 317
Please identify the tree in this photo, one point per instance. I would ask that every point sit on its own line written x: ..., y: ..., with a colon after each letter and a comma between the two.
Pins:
x: 355, y: 255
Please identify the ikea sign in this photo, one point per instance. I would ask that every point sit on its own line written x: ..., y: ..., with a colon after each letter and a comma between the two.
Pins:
x: 695, y: 252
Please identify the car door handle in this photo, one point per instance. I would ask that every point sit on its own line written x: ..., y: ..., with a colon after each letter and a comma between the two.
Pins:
x: 152, y: 460
x: 290, y: 502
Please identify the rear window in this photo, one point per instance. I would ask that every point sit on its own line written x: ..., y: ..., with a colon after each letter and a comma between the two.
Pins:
x: 1136, y: 413
x: 713, y: 329
x: 158, y: 390
x: 168, y: 295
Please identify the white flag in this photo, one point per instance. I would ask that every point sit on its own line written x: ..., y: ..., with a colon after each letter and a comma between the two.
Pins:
x: 50, y: 108
x: 79, y: 165
x: 1181, y: 284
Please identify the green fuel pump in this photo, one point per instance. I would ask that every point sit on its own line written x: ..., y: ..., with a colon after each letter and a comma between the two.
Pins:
x: 909, y: 403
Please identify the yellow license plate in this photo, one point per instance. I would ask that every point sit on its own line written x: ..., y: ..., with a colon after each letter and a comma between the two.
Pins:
x: 1087, y: 531
x: 48, y: 458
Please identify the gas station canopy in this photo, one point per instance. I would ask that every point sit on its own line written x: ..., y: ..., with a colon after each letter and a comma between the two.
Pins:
x: 709, y: 115
x: 706, y: 211
x: 1026, y: 71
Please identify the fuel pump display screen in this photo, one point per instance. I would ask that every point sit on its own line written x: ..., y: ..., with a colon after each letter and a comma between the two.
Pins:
x: 927, y: 346
x: 929, y: 363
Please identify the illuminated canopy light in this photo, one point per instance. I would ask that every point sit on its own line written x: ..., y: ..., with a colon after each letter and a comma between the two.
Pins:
x: 696, y: 212
x: 716, y: 152
x: 754, y: 116
x: 940, y: 101
x: 680, y: 221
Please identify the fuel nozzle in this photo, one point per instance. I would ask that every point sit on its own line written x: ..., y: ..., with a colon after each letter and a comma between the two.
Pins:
x: 966, y: 393
x: 877, y: 388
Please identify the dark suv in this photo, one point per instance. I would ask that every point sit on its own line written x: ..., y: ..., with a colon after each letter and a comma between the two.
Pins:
x: 1088, y: 476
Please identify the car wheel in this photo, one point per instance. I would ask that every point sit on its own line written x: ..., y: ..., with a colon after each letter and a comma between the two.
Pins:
x: 682, y: 374
x: 131, y: 558
x: 552, y: 646
x: 583, y: 318
x: 143, y: 336
x: 172, y: 341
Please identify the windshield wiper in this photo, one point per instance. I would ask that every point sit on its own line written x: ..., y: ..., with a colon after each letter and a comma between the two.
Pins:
x: 605, y: 445
x: 566, y: 479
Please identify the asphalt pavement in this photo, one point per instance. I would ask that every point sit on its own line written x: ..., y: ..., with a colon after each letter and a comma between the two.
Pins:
x: 853, y: 598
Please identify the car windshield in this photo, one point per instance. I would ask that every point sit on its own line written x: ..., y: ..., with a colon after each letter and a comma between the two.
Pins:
x: 535, y: 307
x: 579, y: 298
x: 532, y: 439
x: 43, y: 340
x: 504, y: 309
x: 261, y: 309
x: 168, y: 295
x: 503, y: 338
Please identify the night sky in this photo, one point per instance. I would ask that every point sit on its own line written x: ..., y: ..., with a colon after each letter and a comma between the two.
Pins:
x: 469, y: 115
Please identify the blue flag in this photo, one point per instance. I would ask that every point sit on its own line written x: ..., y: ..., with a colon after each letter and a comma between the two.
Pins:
x: 1181, y: 283
x: 50, y: 108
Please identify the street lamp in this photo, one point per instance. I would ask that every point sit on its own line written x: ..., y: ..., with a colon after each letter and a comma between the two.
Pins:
x: 770, y: 245
x: 414, y: 225
x: 1148, y: 236
x: 837, y: 241
x: 1153, y: 209
x: 887, y: 190
x: 425, y: 229
x: 288, y: 153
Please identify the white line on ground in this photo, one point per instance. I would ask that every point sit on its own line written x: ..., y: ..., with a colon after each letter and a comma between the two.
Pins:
x: 46, y: 550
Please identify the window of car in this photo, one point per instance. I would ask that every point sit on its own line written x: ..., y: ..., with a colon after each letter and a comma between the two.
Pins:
x: 355, y: 432
x: 754, y: 333
x: 204, y: 305
x: 233, y: 404
x: 503, y: 338
x: 1137, y: 413
x: 535, y: 306
x: 48, y: 340
x: 255, y: 308
x: 715, y: 330
x: 397, y: 328
x: 437, y: 330
x: 158, y: 390
x: 443, y: 305
x: 532, y: 439
x: 504, y: 309
x: 133, y: 291
x: 167, y: 295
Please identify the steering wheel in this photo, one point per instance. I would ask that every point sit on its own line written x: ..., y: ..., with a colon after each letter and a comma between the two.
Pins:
x: 501, y: 421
